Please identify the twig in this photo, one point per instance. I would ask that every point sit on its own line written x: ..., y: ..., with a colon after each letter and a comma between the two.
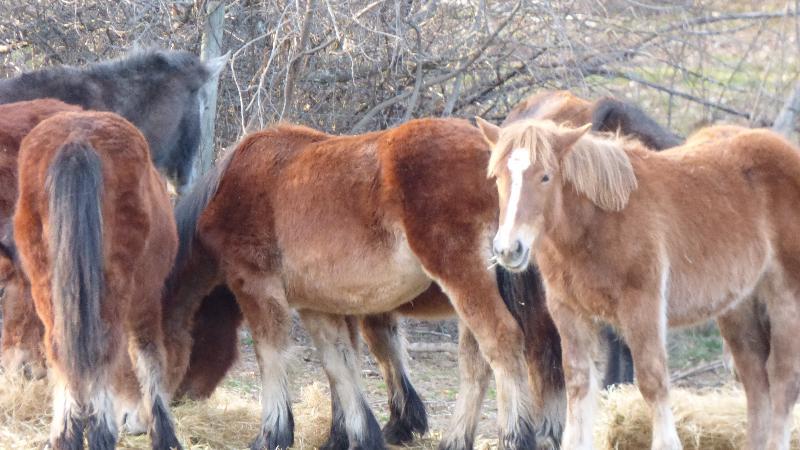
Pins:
x: 708, y: 367
x: 447, y: 347
x: 400, y: 97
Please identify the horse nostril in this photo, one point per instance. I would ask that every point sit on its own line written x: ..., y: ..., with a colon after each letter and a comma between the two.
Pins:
x: 517, y: 247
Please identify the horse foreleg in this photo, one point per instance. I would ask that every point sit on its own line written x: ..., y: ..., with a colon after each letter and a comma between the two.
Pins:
x: 332, y: 337
x: 263, y: 304
x: 474, y: 378
x: 387, y: 345
x: 648, y: 348
x: 577, y: 341
x: 480, y: 307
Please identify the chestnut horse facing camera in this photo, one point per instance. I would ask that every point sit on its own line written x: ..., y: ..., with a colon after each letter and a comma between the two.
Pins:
x: 650, y: 240
x: 96, y: 238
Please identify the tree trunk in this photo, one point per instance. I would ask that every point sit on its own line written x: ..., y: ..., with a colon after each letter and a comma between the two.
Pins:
x: 211, y: 47
x: 787, y: 119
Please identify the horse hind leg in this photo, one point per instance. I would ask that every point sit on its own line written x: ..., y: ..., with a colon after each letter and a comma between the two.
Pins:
x: 66, y: 429
x: 474, y: 373
x: 387, y: 345
x: 748, y: 343
x: 332, y: 338
x: 782, y: 300
x: 102, y: 426
x: 147, y: 356
x: 22, y: 331
x: 263, y: 304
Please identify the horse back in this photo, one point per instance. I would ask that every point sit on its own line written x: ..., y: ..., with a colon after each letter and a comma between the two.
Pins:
x: 558, y: 106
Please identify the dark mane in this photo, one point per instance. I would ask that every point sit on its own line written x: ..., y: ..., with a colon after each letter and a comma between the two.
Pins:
x: 156, y: 90
x: 188, y: 210
x: 610, y: 114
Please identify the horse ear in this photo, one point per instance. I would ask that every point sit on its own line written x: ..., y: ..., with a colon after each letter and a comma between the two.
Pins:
x: 215, y: 66
x: 565, y: 138
x: 490, y: 131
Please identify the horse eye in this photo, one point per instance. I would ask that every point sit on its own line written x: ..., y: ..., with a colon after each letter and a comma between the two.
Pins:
x: 545, y: 178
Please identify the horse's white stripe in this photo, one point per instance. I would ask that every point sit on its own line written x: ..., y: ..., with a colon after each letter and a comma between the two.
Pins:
x: 518, y: 162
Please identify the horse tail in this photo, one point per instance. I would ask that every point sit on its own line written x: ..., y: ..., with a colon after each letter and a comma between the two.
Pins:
x: 524, y: 296
x: 610, y: 114
x: 74, y: 183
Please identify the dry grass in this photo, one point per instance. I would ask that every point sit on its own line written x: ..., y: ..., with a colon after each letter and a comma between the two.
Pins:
x: 709, y: 420
x: 226, y: 421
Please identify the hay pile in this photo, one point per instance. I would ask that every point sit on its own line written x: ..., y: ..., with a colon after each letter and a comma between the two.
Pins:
x: 710, y: 420
x: 225, y: 421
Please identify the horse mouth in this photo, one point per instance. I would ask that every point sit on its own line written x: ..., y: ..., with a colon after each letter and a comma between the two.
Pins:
x: 518, y: 264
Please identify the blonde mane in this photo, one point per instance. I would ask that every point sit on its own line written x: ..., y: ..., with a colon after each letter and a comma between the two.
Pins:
x: 597, y: 166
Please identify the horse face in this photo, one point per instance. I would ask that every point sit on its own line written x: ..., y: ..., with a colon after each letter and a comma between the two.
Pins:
x: 523, y: 189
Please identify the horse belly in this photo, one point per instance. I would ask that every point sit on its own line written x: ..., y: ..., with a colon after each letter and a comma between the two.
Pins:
x: 375, y: 281
x: 697, y: 293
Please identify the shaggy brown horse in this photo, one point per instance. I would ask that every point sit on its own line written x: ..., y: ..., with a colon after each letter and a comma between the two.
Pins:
x: 96, y: 237
x: 646, y: 241
x: 338, y: 226
x: 22, y: 330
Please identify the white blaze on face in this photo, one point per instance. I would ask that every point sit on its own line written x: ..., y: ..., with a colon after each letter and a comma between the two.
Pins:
x: 518, y: 162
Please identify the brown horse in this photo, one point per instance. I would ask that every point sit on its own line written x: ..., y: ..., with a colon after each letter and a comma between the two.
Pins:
x: 22, y: 336
x: 338, y: 226
x: 646, y: 241
x: 96, y: 237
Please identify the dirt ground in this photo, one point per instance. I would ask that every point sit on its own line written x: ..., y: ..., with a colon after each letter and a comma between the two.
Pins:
x: 695, y: 361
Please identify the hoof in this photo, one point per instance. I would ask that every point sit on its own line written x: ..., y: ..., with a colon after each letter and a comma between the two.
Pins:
x: 372, y: 438
x: 280, y: 438
x: 522, y: 438
x: 461, y: 443
x: 411, y: 419
x: 397, y: 433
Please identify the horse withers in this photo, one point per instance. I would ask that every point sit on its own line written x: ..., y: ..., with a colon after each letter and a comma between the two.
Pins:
x: 96, y: 238
x: 646, y: 241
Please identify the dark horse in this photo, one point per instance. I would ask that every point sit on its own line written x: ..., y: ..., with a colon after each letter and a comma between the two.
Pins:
x: 96, y: 238
x: 158, y: 91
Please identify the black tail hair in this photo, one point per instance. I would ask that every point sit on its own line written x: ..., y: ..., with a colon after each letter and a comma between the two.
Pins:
x: 188, y: 210
x: 610, y: 114
x: 523, y: 294
x: 75, y: 184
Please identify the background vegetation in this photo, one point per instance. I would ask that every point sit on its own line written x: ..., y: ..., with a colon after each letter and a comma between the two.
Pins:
x: 356, y: 65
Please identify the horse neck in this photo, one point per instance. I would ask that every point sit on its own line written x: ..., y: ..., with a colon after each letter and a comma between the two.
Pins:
x: 568, y: 218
